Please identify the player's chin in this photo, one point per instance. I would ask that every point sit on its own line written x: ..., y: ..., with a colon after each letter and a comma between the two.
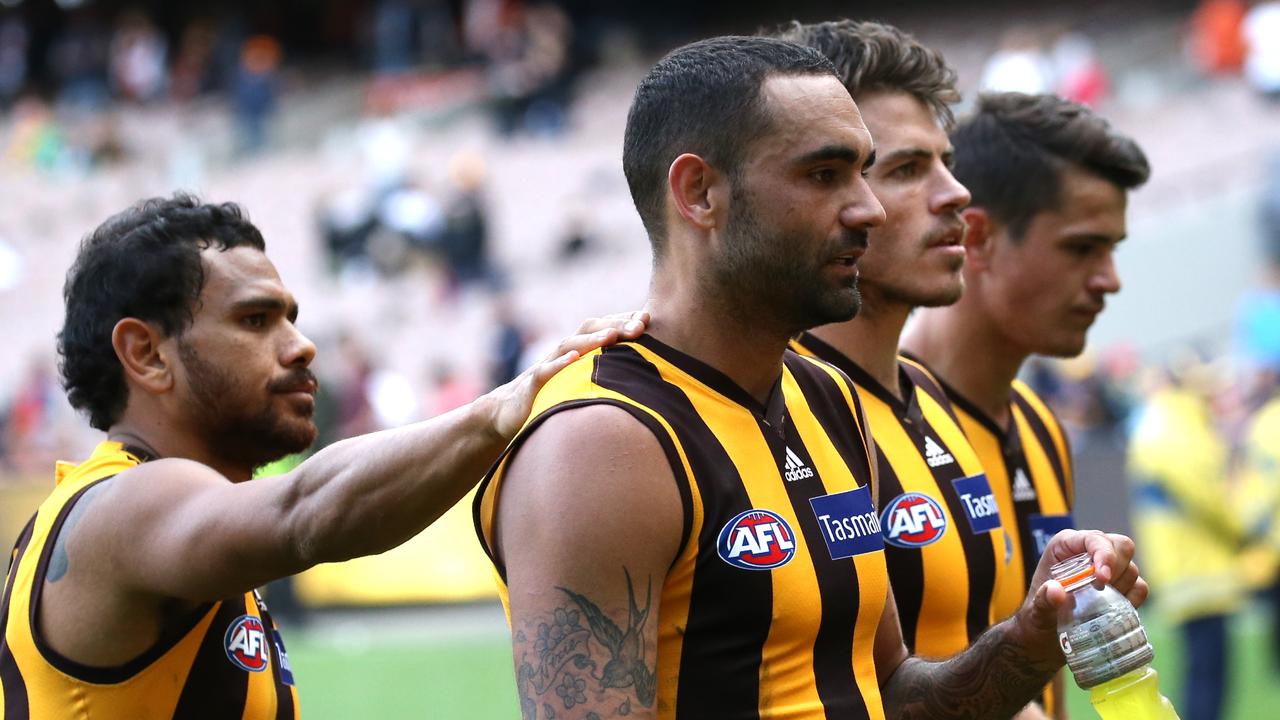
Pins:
x: 301, y: 404
x: 946, y: 259
x: 297, y: 434
x: 1067, y: 346
x: 943, y: 293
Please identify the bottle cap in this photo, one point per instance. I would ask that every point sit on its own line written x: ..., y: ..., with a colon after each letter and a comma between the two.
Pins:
x: 1073, y: 572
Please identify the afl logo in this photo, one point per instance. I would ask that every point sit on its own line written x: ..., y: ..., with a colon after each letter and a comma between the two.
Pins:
x: 246, y: 644
x: 757, y: 540
x: 913, y: 520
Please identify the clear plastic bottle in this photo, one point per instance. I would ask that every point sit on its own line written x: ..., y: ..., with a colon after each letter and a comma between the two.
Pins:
x: 1107, y: 648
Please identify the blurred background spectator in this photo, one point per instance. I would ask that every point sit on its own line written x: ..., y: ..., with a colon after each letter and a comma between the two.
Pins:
x: 1020, y: 64
x: 1188, y: 521
x: 1215, y: 42
x: 138, y: 62
x: 1261, y: 29
x: 254, y: 91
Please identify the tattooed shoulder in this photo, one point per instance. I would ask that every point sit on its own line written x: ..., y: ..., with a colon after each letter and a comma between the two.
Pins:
x: 59, y: 563
x: 577, y: 655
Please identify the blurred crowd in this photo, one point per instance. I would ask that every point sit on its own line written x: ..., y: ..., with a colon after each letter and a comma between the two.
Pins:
x: 64, y: 77
x: 1223, y: 38
x: 67, y: 70
x: 1231, y: 37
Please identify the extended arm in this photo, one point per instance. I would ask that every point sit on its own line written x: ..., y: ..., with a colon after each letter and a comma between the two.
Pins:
x: 1012, y: 661
x: 175, y: 528
x: 588, y: 522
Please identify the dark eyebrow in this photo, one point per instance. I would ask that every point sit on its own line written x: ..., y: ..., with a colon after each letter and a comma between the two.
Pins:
x: 843, y: 153
x: 266, y: 304
x: 908, y: 154
x: 1096, y: 239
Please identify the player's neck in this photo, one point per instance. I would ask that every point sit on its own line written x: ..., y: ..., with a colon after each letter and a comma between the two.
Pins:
x: 870, y: 340
x: 969, y: 354
x: 731, y: 342
x: 162, y: 441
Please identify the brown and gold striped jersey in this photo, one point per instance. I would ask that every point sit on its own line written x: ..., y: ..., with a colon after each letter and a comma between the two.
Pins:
x: 945, y: 537
x: 1029, y: 466
x: 771, y: 607
x: 226, y: 661
x: 1030, y: 470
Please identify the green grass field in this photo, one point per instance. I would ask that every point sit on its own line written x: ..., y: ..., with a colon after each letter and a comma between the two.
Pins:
x: 442, y: 667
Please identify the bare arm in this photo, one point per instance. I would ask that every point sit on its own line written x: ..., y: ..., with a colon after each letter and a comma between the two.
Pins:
x: 175, y: 528
x: 1012, y: 661
x: 588, y: 523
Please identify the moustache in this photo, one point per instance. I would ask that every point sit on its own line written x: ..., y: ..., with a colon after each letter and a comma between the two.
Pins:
x: 955, y: 226
x: 299, y: 380
x: 852, y: 239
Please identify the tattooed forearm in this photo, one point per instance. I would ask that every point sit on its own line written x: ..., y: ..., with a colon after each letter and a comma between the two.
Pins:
x: 995, y: 678
x: 578, y: 658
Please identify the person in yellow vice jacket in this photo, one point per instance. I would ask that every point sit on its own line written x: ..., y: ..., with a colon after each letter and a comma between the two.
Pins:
x: 1260, y: 491
x: 1178, y: 465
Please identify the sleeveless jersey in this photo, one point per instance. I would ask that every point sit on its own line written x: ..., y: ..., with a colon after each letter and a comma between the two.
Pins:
x: 1029, y: 467
x: 225, y: 661
x: 1030, y: 471
x: 771, y: 607
x: 944, y: 536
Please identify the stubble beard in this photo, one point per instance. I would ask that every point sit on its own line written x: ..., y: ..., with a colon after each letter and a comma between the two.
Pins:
x: 245, y: 436
x: 904, y: 294
x: 911, y: 297
x: 762, y: 278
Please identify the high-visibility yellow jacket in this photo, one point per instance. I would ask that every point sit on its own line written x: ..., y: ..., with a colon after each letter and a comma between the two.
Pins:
x: 1189, y: 529
x: 1260, y: 492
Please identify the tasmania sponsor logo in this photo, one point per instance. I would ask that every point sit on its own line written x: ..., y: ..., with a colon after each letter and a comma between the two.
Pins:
x: 934, y: 455
x: 246, y: 644
x: 286, y: 670
x: 796, y: 468
x: 913, y: 520
x: 1044, y: 527
x: 849, y: 523
x: 979, y: 502
x: 757, y: 540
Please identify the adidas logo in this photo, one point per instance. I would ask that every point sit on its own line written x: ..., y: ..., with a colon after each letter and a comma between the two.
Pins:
x: 935, y: 455
x: 1022, y: 489
x: 796, y: 469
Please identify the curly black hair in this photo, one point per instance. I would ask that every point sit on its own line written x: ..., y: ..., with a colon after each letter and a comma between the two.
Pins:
x: 142, y: 263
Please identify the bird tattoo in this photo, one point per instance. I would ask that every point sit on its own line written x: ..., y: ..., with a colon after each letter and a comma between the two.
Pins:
x: 626, y: 666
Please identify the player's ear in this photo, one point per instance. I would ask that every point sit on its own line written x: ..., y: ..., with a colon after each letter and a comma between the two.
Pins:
x: 979, y: 237
x: 144, y: 355
x: 698, y: 192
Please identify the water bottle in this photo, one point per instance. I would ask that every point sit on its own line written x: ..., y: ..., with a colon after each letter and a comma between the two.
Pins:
x: 1107, y: 648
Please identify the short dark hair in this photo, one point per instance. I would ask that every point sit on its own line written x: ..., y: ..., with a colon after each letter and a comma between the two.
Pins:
x: 703, y: 98
x: 142, y: 263
x: 871, y: 56
x: 1012, y: 151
